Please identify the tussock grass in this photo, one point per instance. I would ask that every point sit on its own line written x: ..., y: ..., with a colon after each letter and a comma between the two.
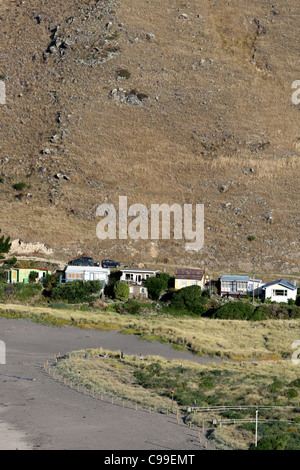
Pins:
x: 149, y: 382
x: 111, y: 377
x: 239, y: 340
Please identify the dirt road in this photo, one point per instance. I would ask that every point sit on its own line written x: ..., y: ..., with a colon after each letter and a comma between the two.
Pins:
x: 37, y: 412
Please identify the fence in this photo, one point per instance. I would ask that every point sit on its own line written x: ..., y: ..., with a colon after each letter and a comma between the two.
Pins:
x: 125, y: 403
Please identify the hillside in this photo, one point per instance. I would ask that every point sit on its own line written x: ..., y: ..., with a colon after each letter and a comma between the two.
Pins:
x: 209, y: 120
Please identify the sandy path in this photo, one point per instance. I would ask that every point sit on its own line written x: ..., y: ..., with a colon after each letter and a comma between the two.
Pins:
x: 44, y: 414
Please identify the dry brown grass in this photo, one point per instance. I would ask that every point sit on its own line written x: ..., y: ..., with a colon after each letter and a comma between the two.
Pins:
x: 240, y: 340
x: 203, y: 130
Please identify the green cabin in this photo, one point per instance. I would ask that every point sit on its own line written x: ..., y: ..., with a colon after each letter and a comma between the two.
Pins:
x: 18, y: 275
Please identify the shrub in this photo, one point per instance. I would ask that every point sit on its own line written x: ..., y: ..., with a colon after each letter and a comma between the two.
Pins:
x: 155, y: 286
x: 207, y: 383
x: 121, y: 291
x: 123, y: 73
x: 5, y: 245
x: 189, y: 299
x: 32, y: 276
x: 275, y: 310
x: 270, y: 443
x: 114, y: 277
x: 276, y: 385
x: 291, y: 393
x: 76, y: 291
x: 235, y: 311
x: 295, y: 383
x: 131, y: 307
x: 20, y: 186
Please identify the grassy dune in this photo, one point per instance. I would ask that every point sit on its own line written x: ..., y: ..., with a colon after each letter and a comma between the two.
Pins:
x: 238, y: 340
x: 149, y: 383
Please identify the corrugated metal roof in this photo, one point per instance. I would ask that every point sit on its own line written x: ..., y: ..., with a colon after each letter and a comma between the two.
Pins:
x: 127, y: 270
x: 94, y: 269
x: 228, y: 277
x: 281, y: 282
x: 193, y: 274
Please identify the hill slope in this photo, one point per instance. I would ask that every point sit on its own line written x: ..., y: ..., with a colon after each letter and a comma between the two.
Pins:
x: 210, y: 120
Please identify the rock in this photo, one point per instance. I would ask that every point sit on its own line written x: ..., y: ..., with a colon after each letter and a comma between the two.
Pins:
x: 4, y: 160
x: 150, y: 37
x: 48, y: 151
x: 268, y: 217
x: 61, y: 176
x: 223, y: 188
x: 54, y: 139
x: 99, y: 304
x: 132, y: 97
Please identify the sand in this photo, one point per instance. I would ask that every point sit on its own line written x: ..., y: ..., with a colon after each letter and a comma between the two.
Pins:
x: 11, y: 439
x: 46, y: 415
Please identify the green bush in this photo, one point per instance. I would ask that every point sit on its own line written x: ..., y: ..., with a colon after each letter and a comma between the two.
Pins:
x: 20, y: 186
x: 5, y: 245
x: 207, y: 383
x: 131, y: 307
x: 189, y: 299
x: 121, y: 291
x: 276, y: 385
x: 270, y: 443
x: 77, y: 291
x: 295, y: 383
x: 291, y: 393
x: 281, y: 311
x: 114, y: 277
x: 32, y: 276
x: 155, y: 286
x: 235, y: 311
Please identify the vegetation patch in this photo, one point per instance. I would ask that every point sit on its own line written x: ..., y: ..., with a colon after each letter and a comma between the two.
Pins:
x: 150, y: 381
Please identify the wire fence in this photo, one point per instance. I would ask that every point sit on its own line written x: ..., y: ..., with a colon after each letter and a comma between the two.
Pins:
x: 174, y: 411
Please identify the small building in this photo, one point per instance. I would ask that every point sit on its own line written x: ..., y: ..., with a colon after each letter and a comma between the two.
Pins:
x: 137, y: 276
x: 233, y: 285
x: 137, y: 291
x: 21, y: 275
x: 87, y: 273
x: 279, y: 291
x: 189, y: 277
x: 255, y: 285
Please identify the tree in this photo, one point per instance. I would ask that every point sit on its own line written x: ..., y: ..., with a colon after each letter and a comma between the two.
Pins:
x: 32, y: 276
x: 114, y: 277
x: 121, y: 291
x: 155, y: 286
x: 5, y: 245
x: 189, y: 298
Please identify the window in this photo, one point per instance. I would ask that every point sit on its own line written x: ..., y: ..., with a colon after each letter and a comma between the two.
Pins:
x: 241, y: 286
x: 227, y: 285
x: 280, y: 292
